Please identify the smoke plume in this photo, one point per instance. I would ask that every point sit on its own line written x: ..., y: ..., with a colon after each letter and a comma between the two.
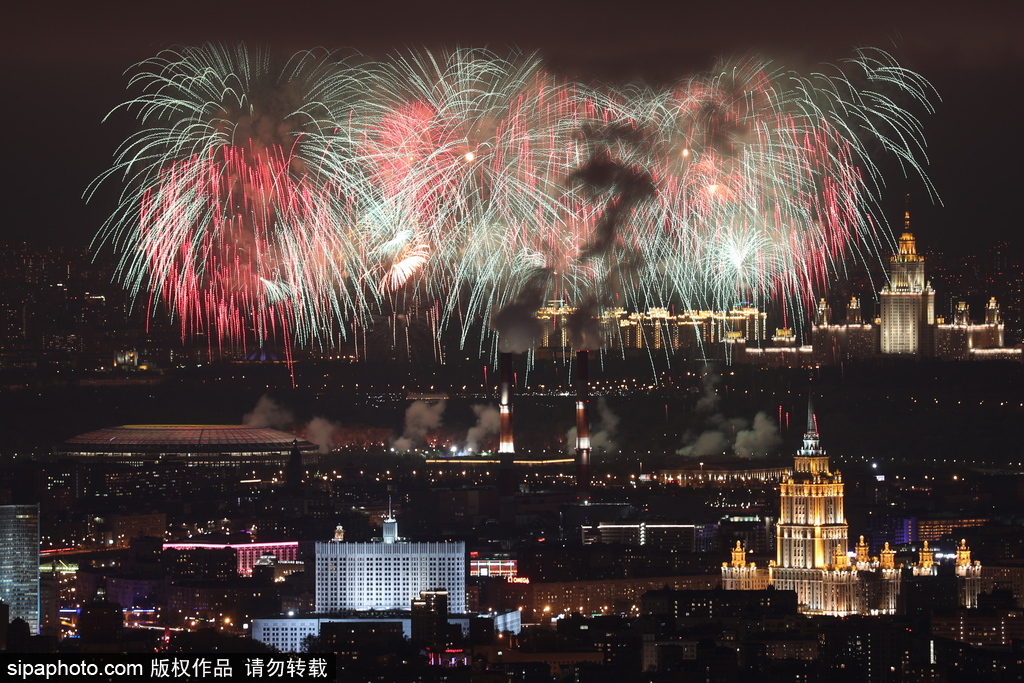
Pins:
x: 759, y: 440
x: 488, y: 422
x: 321, y: 431
x: 602, y: 433
x: 624, y: 186
x: 585, y: 327
x: 722, y: 434
x: 516, y: 323
x: 420, y: 418
x: 269, y: 413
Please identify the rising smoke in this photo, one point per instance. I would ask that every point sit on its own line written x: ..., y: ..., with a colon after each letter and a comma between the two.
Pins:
x: 270, y: 414
x: 488, y: 422
x: 321, y: 431
x: 722, y: 434
x: 602, y: 433
x: 516, y: 323
x: 420, y: 418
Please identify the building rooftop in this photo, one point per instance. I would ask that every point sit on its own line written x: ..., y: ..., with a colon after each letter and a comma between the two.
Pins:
x: 183, y: 438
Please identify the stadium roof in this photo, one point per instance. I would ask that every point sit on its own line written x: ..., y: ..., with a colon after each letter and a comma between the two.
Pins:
x: 183, y: 439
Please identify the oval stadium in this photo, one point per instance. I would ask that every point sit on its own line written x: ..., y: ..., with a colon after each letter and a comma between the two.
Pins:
x: 196, y: 445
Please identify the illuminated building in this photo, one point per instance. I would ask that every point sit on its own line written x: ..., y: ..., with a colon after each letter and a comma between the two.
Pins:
x: 835, y: 343
x: 387, y: 574
x: 937, y: 529
x: 812, y: 545
x: 812, y: 549
x: 19, y: 562
x: 968, y: 576
x: 502, y: 567
x: 245, y: 555
x: 656, y: 329
x: 908, y: 324
x: 908, y: 301
x: 963, y: 340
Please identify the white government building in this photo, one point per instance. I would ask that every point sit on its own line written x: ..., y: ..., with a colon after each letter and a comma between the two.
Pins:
x: 387, y: 574
x: 377, y: 582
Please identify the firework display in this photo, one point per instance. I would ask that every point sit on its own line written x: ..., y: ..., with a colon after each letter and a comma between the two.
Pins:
x: 286, y: 201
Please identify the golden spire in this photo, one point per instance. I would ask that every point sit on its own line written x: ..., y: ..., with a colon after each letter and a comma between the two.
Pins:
x: 862, y: 551
x: 907, y: 250
x: 963, y: 554
x: 888, y: 558
x: 926, y: 556
x: 739, y: 558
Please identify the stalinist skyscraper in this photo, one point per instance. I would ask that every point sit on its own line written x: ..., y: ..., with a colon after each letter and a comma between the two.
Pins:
x: 813, y: 545
x: 813, y: 536
x: 812, y: 523
x: 908, y: 302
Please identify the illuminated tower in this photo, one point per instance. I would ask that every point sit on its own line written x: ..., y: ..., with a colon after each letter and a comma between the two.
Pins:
x: 908, y: 301
x: 582, y: 425
x: 823, y: 314
x: 853, y: 314
x: 506, y: 444
x: 19, y: 562
x: 811, y: 521
x: 812, y: 534
x: 968, y: 576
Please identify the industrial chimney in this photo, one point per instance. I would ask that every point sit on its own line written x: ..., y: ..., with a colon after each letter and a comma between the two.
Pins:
x: 506, y: 445
x: 582, y: 425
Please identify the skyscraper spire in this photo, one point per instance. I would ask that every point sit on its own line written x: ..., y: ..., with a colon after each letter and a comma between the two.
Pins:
x: 811, y: 459
x: 812, y: 422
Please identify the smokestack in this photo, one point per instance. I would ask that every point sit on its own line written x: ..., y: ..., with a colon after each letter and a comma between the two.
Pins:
x: 506, y: 445
x: 582, y: 425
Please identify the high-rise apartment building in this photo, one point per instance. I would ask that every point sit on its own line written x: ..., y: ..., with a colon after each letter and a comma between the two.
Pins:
x: 19, y: 562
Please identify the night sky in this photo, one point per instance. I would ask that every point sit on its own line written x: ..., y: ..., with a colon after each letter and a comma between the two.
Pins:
x: 65, y: 63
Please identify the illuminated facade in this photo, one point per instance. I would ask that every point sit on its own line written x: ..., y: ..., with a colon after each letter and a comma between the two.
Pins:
x: 908, y: 325
x: 387, y: 574
x: 812, y: 545
x: 961, y: 339
x: 908, y: 302
x: 247, y: 554
x: 812, y: 549
x: 19, y: 562
x: 968, y: 576
x: 656, y: 329
x: 835, y: 343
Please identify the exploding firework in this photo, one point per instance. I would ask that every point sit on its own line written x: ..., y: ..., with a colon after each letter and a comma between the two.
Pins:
x: 263, y: 201
x: 232, y: 215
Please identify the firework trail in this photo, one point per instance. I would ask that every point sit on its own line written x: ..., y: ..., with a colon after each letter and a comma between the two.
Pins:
x: 264, y: 202
x: 230, y: 214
